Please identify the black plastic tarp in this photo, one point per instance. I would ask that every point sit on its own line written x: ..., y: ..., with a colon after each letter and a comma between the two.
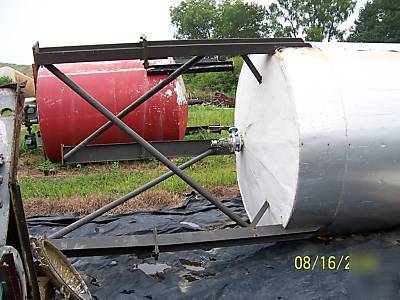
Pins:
x: 265, y: 271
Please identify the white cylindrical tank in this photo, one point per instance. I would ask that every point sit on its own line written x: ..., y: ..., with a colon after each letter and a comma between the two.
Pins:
x: 321, y: 137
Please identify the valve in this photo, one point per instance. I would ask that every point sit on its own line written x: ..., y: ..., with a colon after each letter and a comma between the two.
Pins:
x: 233, y: 143
x: 236, y: 141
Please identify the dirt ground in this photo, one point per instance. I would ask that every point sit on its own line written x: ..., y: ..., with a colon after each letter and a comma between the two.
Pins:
x: 147, y: 201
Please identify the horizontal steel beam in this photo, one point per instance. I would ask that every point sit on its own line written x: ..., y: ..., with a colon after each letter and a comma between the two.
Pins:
x: 201, y: 67
x: 145, y: 244
x: 134, y: 151
x: 171, y: 42
x: 161, y: 49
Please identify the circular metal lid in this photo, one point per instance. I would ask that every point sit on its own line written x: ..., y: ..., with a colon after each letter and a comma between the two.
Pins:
x: 61, y: 273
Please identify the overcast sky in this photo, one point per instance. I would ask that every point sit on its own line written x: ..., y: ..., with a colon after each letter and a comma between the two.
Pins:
x: 74, y: 22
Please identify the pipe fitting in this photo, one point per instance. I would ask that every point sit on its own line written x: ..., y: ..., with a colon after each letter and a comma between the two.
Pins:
x: 236, y: 141
x: 228, y: 145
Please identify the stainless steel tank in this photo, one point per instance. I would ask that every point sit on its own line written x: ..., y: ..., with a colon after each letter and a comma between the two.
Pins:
x: 321, y: 137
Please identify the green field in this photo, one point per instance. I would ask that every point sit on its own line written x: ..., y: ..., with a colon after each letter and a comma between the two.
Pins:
x: 210, y: 115
x: 115, y: 179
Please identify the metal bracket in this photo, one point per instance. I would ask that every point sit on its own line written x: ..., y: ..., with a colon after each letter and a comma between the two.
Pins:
x: 252, y: 68
x: 156, y: 251
x: 260, y: 214
x: 145, y: 51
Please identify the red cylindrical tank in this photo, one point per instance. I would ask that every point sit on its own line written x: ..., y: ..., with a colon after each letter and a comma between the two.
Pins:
x: 66, y: 119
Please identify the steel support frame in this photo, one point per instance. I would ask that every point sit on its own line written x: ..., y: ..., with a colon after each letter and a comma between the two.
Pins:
x: 149, y: 50
x: 145, y: 144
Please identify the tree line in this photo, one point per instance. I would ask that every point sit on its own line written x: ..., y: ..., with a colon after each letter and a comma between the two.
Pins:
x: 313, y: 20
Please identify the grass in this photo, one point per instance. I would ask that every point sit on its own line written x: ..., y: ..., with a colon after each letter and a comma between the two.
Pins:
x: 210, y: 115
x: 115, y: 180
x: 5, y: 80
x: 104, y: 182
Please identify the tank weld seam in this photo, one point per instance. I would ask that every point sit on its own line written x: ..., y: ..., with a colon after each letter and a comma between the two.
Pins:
x: 346, y: 155
x: 291, y: 97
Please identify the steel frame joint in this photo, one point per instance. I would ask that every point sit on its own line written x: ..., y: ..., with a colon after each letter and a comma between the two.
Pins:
x: 252, y: 68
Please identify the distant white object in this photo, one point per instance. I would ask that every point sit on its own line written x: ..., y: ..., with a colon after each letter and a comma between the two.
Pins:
x: 20, y: 78
x: 321, y: 137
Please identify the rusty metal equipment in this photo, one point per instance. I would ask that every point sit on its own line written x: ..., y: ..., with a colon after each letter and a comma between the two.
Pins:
x: 220, y: 99
x: 17, y: 271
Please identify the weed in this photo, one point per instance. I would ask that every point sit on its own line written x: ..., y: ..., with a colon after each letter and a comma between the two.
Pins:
x: 47, y: 165
x: 5, y: 80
